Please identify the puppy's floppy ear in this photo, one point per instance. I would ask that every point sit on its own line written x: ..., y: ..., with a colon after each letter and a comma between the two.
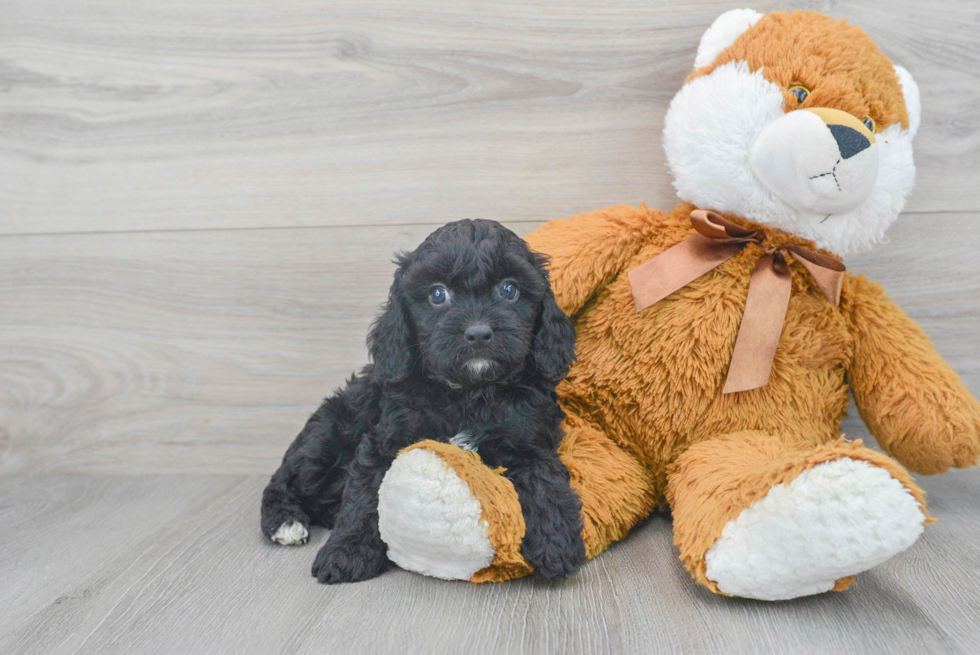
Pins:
x: 390, y: 338
x: 553, y: 348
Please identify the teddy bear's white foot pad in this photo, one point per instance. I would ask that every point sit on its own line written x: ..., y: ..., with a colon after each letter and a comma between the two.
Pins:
x: 832, y: 521
x: 430, y: 520
x: 291, y: 534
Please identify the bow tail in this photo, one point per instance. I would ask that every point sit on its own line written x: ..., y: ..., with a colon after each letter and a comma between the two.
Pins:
x: 677, y: 267
x: 761, y: 326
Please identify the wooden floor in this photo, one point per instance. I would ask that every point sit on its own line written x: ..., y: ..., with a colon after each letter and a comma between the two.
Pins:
x: 175, y: 564
x: 199, y: 202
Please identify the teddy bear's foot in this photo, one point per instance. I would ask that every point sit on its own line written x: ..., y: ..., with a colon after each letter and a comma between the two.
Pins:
x: 831, y: 522
x: 442, y: 513
x: 758, y: 518
x: 430, y: 521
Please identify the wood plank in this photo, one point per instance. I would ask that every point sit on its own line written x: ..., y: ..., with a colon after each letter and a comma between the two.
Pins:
x: 945, y: 570
x: 185, y: 115
x: 205, y: 581
x: 57, y: 529
x: 200, y: 581
x: 206, y: 351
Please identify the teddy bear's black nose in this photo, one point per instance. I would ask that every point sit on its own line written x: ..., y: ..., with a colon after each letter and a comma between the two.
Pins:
x: 849, y: 141
x: 478, y: 334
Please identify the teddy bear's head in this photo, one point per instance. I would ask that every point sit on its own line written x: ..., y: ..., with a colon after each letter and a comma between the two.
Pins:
x: 797, y: 121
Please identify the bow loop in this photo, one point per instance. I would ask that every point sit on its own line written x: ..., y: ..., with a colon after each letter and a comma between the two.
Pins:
x: 715, y: 226
x: 826, y: 271
x: 718, y: 240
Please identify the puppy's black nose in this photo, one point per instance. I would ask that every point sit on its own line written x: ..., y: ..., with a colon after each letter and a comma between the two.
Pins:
x: 478, y: 334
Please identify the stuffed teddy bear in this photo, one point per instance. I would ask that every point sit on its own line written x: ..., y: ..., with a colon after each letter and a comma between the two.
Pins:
x: 717, y: 342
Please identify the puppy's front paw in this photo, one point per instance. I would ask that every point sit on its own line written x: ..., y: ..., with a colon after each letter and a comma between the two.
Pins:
x: 348, y: 562
x: 292, y: 533
x: 556, y: 565
x: 555, y: 557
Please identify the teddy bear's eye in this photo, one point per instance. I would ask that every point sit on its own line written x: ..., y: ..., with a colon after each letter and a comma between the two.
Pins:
x: 869, y: 123
x: 801, y: 92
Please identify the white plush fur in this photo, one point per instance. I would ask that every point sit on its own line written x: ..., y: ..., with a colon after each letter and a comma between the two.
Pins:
x: 430, y: 520
x: 832, y: 521
x: 797, y: 158
x: 291, y: 534
x: 709, y: 131
x: 723, y: 32
x: 913, y: 105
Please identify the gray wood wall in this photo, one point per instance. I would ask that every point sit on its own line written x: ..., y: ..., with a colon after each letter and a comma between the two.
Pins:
x: 199, y: 200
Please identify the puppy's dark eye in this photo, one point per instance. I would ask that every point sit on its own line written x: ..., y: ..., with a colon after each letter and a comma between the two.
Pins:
x: 869, y: 123
x: 509, y: 291
x: 801, y: 93
x: 438, y: 295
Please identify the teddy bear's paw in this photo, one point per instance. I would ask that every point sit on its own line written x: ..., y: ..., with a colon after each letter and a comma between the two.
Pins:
x: 430, y: 520
x: 960, y: 449
x: 832, y: 521
x: 292, y: 533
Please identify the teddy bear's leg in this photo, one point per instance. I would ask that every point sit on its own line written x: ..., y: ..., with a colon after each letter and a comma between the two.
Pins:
x: 443, y: 513
x: 617, y: 491
x: 758, y: 517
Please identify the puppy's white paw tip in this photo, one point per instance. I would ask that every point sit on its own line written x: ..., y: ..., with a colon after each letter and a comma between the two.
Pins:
x: 291, y: 534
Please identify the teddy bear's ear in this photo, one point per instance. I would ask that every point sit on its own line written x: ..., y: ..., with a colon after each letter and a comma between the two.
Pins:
x: 910, y: 90
x: 723, y: 32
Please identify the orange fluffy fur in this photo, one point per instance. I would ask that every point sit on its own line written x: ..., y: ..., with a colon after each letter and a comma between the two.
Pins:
x: 841, y: 67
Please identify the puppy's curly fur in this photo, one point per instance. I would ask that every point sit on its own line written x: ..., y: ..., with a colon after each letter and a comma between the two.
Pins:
x: 468, y: 348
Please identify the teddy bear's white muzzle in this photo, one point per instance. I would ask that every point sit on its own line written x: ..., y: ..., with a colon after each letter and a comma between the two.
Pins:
x: 814, y: 163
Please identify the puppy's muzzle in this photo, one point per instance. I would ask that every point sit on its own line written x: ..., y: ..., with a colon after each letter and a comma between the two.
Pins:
x: 819, y: 161
x: 478, y: 337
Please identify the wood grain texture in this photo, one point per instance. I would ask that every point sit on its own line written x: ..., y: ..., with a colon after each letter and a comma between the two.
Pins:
x: 58, y: 530
x: 205, y: 351
x: 117, y: 115
x: 199, y: 578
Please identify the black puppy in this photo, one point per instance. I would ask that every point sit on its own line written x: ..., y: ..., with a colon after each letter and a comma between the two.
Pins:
x: 470, y: 345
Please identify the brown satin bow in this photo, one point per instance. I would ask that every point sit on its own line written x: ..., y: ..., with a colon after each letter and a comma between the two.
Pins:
x: 718, y: 240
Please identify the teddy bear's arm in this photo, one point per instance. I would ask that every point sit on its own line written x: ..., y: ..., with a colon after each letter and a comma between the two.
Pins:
x: 587, y: 251
x: 912, y: 401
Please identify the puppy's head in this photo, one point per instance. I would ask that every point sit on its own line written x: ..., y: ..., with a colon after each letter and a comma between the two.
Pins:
x: 470, y: 306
